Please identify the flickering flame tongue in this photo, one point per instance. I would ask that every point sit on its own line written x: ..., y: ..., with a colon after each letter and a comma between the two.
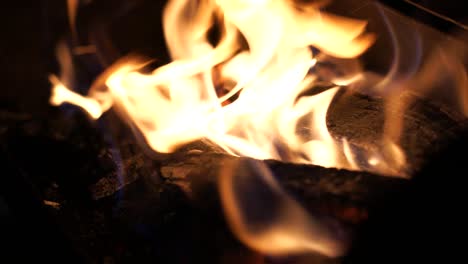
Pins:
x: 264, y: 52
x: 264, y: 217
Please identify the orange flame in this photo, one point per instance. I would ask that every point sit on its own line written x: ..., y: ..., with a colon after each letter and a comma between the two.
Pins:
x: 264, y: 52
x: 178, y: 103
x: 264, y: 217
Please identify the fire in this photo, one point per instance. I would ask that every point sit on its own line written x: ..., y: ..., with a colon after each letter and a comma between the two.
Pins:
x: 262, y: 61
x: 285, y: 227
x: 177, y: 103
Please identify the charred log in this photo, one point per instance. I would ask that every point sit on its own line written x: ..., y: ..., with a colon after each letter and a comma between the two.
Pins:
x: 344, y: 194
x: 116, y: 202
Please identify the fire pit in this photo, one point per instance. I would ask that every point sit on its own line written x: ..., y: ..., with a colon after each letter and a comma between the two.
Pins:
x: 358, y: 146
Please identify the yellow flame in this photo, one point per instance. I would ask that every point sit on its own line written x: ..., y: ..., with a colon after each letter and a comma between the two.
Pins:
x: 262, y: 64
x: 61, y: 94
x: 264, y: 51
x: 178, y: 103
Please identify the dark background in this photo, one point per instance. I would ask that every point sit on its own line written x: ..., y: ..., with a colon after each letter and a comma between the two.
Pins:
x: 425, y: 223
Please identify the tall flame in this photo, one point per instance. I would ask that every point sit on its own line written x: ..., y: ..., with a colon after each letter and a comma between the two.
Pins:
x: 248, y: 92
x: 264, y: 50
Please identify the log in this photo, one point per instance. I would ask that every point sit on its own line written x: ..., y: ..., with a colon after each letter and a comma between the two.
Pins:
x: 343, y: 194
x: 415, y: 225
x: 77, y: 163
x: 426, y: 124
x: 99, y: 213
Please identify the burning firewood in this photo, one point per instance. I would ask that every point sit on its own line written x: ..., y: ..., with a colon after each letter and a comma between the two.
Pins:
x: 342, y: 193
x: 87, y: 173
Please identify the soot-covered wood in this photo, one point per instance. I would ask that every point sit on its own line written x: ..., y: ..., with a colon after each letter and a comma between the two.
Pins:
x: 113, y: 202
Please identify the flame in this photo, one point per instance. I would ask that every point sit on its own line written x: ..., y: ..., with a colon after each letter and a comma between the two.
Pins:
x: 72, y: 7
x: 261, y: 61
x: 267, y: 219
x: 264, y: 49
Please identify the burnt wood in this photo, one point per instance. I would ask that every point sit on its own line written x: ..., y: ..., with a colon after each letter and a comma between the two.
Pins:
x: 116, y: 202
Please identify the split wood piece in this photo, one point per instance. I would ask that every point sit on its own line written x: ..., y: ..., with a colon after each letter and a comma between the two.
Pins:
x: 343, y: 194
